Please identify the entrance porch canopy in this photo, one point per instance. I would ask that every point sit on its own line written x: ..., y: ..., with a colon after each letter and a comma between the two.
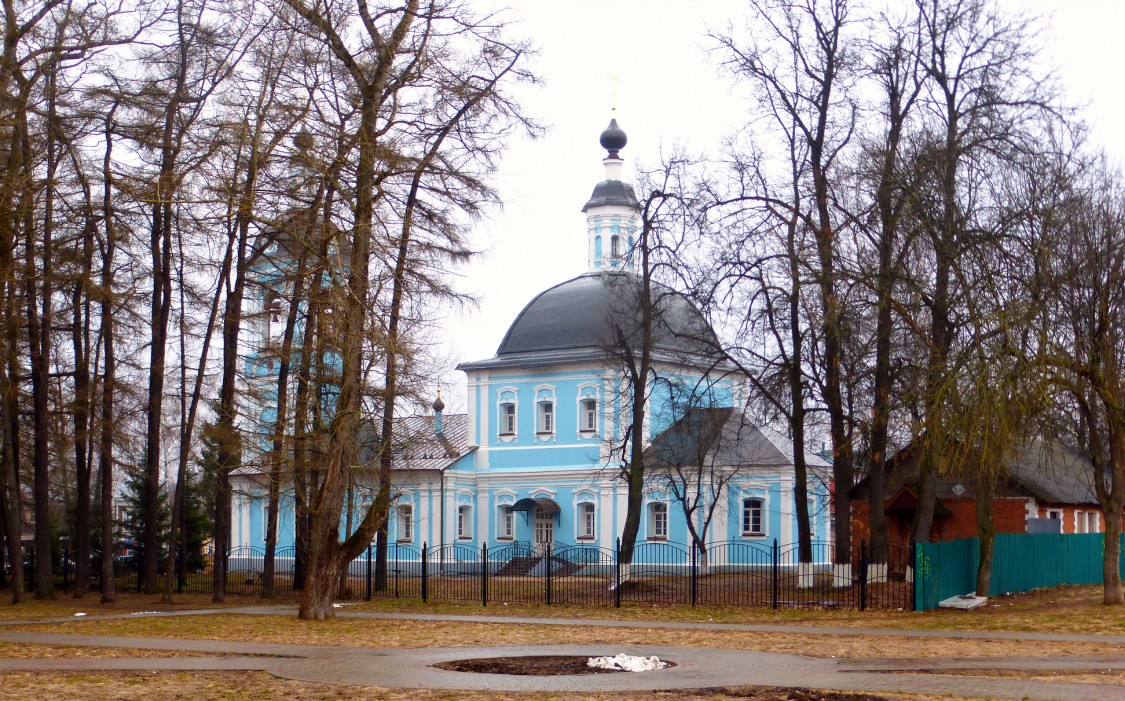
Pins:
x: 545, y: 506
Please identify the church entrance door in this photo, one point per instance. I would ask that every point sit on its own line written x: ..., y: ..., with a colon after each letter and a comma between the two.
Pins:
x: 544, y: 530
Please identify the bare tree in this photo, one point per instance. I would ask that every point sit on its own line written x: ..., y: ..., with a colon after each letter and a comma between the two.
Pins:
x: 801, y: 63
x: 1083, y: 329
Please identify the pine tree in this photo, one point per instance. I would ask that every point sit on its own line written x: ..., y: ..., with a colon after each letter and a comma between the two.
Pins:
x: 133, y: 526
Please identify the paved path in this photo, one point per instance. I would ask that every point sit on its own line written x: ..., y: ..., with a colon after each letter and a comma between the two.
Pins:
x: 695, y: 667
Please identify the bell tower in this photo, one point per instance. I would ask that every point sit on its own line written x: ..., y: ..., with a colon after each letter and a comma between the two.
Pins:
x: 611, y: 212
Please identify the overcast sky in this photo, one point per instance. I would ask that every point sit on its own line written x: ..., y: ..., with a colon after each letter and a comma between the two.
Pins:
x: 669, y: 91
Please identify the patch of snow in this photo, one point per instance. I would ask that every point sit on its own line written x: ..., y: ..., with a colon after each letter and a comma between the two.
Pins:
x: 141, y: 613
x: 80, y: 614
x: 627, y: 663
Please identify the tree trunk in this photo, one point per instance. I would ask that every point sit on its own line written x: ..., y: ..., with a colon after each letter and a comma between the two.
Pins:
x: 1112, y: 498
x: 109, y: 369
x: 80, y: 336
x: 794, y: 375
x: 1112, y: 593
x: 985, y: 489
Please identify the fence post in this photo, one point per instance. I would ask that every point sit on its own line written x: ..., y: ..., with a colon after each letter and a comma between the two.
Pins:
x: 424, y: 558
x: 774, y: 578
x: 617, y: 575
x: 369, y: 571
x: 29, y: 571
x: 693, y: 546
x: 138, y: 569
x: 548, y: 564
x: 914, y: 579
x: 484, y: 574
x: 396, y: 571
x: 863, y: 575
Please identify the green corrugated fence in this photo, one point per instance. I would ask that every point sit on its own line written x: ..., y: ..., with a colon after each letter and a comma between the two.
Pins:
x: 1020, y: 562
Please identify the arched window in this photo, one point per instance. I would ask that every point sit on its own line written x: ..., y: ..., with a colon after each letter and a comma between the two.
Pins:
x: 615, y: 247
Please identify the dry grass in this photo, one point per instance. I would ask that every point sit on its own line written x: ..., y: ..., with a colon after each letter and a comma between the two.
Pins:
x: 260, y: 686
x: 1069, y: 676
x: 421, y: 634
x: 31, y: 650
x: 1057, y: 610
x: 64, y: 606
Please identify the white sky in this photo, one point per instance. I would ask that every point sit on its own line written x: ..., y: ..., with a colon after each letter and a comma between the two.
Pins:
x: 669, y: 91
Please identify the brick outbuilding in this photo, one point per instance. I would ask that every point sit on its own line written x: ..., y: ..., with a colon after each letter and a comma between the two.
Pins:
x: 1041, y: 480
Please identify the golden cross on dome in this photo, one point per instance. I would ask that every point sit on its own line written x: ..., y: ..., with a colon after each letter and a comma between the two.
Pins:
x: 614, y: 80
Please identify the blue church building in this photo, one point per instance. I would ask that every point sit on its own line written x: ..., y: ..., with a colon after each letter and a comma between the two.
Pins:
x: 536, y: 457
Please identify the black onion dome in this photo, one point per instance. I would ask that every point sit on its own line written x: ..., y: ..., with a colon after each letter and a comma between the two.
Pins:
x: 438, y: 404
x: 590, y: 310
x: 613, y: 139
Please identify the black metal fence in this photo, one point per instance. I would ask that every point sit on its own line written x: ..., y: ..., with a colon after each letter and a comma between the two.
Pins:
x: 726, y: 574
x: 733, y: 573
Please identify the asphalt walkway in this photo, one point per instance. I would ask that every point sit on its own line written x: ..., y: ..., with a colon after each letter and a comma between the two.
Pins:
x: 695, y: 667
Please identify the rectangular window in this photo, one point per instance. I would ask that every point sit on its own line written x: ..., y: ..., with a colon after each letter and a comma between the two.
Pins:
x: 265, y: 519
x: 1080, y: 522
x: 464, y: 523
x: 658, y: 521
x: 546, y: 417
x: 405, y: 523
x: 507, y: 419
x: 587, y: 522
x: 752, y: 517
x: 1055, y: 513
x: 504, y: 524
x: 589, y: 419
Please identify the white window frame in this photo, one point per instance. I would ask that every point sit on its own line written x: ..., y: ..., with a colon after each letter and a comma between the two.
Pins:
x: 266, y: 518
x: 504, y: 396
x: 1055, y: 513
x: 658, y: 520
x: 587, y: 522
x: 507, y: 418
x: 505, y: 522
x: 464, y: 522
x: 405, y: 514
x: 545, y: 417
x: 589, y: 415
x: 749, y: 506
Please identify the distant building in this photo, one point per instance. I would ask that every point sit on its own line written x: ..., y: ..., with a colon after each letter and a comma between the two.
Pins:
x: 1040, y: 480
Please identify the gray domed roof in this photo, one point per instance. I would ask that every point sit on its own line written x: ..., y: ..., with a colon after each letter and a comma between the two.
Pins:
x: 580, y: 318
x: 612, y: 192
